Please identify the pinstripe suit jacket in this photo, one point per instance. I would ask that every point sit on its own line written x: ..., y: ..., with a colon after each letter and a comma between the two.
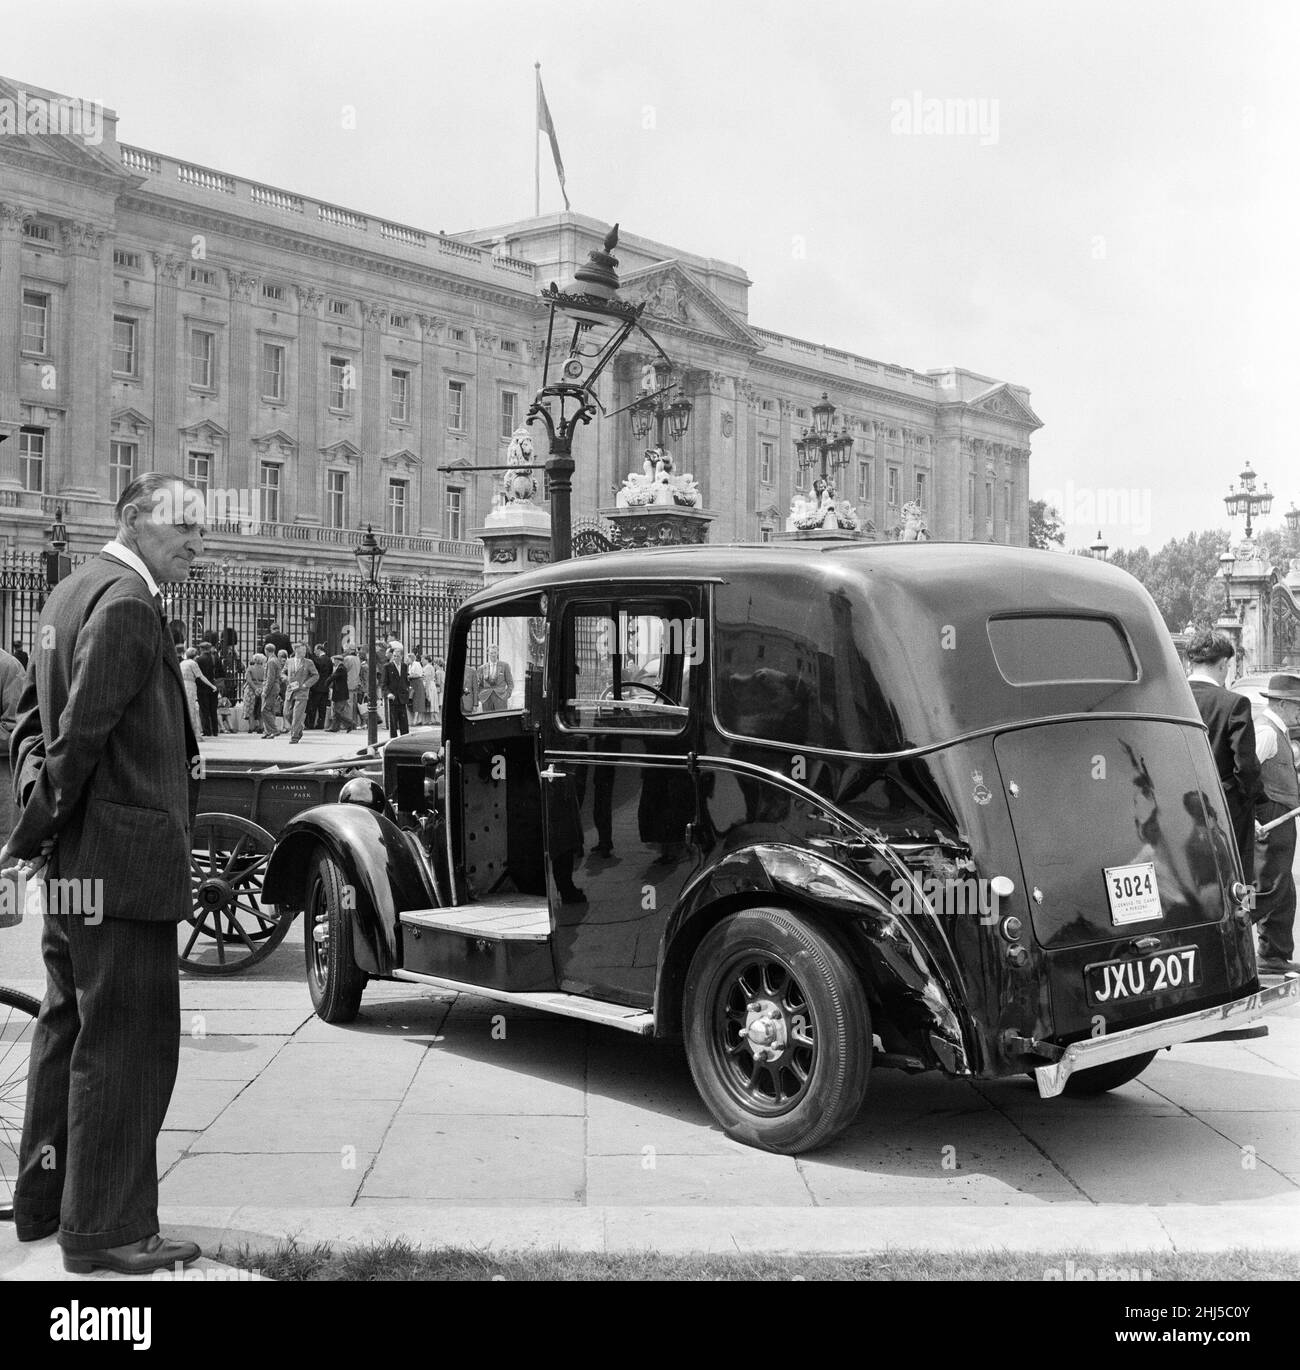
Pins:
x: 104, y: 756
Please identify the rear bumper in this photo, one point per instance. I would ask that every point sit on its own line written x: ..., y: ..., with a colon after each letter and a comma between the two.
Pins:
x: 1116, y: 1046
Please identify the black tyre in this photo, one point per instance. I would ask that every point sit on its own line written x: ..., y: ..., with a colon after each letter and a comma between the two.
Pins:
x: 333, y: 976
x: 778, y: 1032
x: 1099, y: 1079
x: 17, y: 1021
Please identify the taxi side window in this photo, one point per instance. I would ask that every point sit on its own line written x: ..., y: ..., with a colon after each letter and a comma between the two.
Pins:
x: 501, y: 649
x: 627, y: 667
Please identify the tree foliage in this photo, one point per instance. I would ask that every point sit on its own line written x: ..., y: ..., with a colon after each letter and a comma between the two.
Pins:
x: 1182, y: 577
x: 1045, y: 526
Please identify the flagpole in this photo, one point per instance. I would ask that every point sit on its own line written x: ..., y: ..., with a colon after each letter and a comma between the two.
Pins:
x: 537, y: 147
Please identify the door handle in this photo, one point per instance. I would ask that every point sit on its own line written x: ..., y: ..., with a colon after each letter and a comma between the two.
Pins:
x: 550, y: 773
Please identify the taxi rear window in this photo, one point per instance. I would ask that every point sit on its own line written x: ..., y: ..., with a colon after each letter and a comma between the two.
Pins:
x: 1060, y: 649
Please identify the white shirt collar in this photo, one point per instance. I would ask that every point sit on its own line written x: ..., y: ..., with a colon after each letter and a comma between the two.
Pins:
x: 120, y: 552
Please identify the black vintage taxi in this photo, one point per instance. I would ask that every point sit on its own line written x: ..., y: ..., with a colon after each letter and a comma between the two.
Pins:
x: 816, y: 808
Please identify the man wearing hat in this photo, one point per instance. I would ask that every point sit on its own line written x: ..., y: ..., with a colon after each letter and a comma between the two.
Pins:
x: 1275, y: 852
x: 1232, y: 736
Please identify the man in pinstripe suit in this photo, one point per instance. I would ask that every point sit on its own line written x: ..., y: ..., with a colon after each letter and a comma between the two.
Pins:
x: 106, y: 771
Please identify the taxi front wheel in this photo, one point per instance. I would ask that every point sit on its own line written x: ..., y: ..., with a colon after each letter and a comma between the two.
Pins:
x: 778, y: 1031
x: 333, y: 976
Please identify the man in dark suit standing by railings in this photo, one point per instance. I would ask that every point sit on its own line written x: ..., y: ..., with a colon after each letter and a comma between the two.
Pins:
x: 1232, y: 736
x: 1275, y: 903
x: 106, y: 770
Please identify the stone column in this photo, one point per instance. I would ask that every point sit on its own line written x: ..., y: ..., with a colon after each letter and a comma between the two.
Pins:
x: 12, y: 217
x: 244, y: 367
x: 432, y: 481
x: 372, y: 421
x: 309, y: 492
x: 169, y: 361
x: 84, y: 387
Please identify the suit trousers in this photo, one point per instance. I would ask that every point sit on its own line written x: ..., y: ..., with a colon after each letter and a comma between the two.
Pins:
x: 1275, y: 885
x: 103, y: 1063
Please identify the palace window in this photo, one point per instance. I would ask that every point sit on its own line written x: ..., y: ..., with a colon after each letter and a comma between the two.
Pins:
x: 891, y: 487
x: 31, y: 459
x: 971, y: 498
x: 765, y: 463
x: 268, y: 491
x: 864, y: 482
x: 273, y: 372
x: 123, y: 458
x: 131, y: 261
x: 920, y: 494
x: 343, y: 382
x: 336, y: 499
x: 456, y: 406
x: 341, y: 308
x: 510, y: 346
x: 455, y: 513
x: 399, y: 396
x: 274, y: 293
x: 400, y: 322
x: 1006, y: 507
x: 202, y: 275
x: 988, y: 500
x: 126, y: 355
x: 457, y: 335
x: 765, y: 533
x: 41, y: 233
x: 800, y: 477
x: 509, y: 413
x: 203, y: 356
x: 398, y: 490
x: 36, y: 323
x: 198, y: 470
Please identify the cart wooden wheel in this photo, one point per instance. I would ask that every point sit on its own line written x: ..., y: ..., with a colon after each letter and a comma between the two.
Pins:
x: 229, y: 929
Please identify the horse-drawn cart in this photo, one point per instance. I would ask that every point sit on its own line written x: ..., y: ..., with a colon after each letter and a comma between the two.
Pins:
x: 242, y: 807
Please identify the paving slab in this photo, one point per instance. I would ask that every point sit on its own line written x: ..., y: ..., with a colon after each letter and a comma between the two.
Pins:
x: 672, y: 1121
x: 1273, y: 1139
x: 232, y: 1057
x: 172, y: 1145
x: 742, y: 1176
x: 351, y: 1073
x: 1152, y: 1160
x: 197, y: 1103
x: 470, y: 1157
x: 1244, y: 1081
x: 262, y: 1120
x: 451, y: 1080
x: 269, y: 1022
x: 386, y: 1018
x: 301, y: 1179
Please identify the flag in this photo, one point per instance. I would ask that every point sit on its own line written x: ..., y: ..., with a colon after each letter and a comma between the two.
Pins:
x: 546, y: 125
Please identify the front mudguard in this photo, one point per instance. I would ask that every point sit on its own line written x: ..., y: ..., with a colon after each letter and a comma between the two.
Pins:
x: 384, y: 876
x: 897, y: 967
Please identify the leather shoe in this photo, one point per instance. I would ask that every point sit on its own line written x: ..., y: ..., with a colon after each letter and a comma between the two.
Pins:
x: 135, y: 1258
x: 1274, y: 965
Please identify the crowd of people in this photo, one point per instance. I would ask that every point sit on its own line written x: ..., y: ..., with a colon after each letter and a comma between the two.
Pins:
x: 284, y: 687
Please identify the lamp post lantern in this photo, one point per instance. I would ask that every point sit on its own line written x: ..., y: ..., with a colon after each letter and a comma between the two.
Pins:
x: 587, y: 325
x: 822, y: 444
x: 1098, y: 549
x: 1226, y: 562
x: 667, y: 418
x: 1246, y: 500
x: 369, y: 555
x: 1292, y: 517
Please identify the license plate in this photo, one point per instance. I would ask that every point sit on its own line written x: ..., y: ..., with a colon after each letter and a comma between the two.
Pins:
x: 1110, y: 981
x: 1133, y: 894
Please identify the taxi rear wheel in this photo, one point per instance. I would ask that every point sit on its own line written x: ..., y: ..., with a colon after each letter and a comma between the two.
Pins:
x: 333, y: 976
x: 1099, y: 1079
x: 778, y: 1031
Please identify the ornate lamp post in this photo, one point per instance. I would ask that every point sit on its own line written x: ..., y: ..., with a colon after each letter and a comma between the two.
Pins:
x: 369, y: 554
x: 588, y: 324
x: 822, y: 444
x: 1292, y: 517
x: 1098, y: 549
x: 653, y: 412
x: 1246, y: 501
x: 56, y: 564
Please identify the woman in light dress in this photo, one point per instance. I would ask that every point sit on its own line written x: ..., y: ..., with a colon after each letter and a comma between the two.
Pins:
x: 418, y: 699
x: 194, y: 678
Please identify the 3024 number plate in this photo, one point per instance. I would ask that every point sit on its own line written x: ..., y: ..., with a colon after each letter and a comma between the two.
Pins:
x: 1161, y: 970
x: 1133, y: 893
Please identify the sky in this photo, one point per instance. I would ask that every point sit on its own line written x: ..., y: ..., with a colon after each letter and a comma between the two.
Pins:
x: 1116, y: 230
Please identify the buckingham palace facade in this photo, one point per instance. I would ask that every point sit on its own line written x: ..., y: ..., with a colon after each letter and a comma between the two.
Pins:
x: 315, y: 367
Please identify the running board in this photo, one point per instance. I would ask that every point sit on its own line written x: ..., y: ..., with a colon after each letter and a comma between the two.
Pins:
x: 566, y: 1005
